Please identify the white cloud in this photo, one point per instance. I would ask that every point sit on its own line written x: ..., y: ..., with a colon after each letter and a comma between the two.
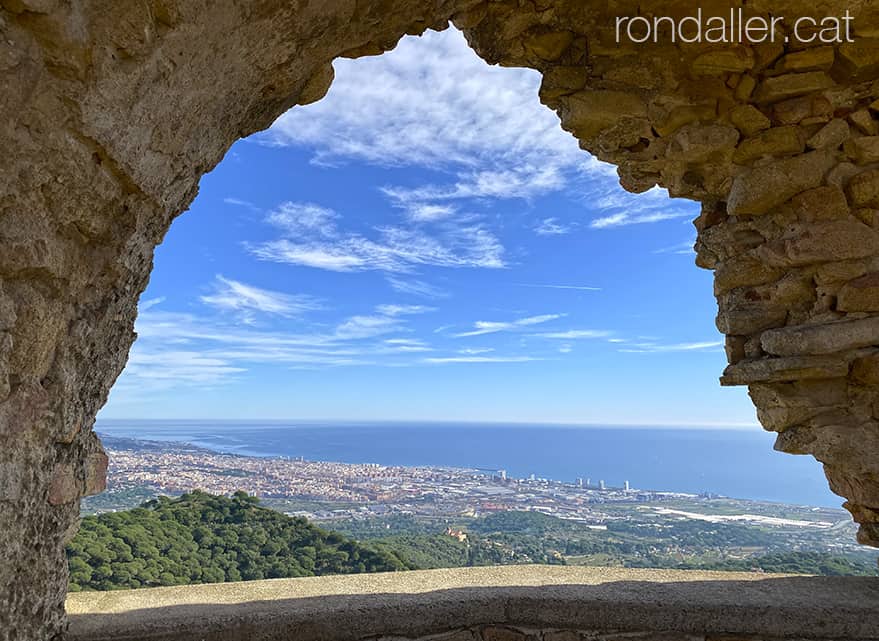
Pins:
x: 574, y: 334
x: 432, y: 102
x: 683, y: 248
x: 407, y: 345
x: 416, y: 288
x: 144, y: 305
x: 481, y: 359
x: 403, y: 310
x: 429, y: 212
x: 698, y: 346
x: 473, y: 351
x: 312, y: 239
x: 551, y: 227
x: 233, y: 295
x: 238, y: 202
x: 196, y: 350
x: 386, y: 320
x: 490, y: 327
x: 621, y: 208
x: 304, y: 218
x: 584, y: 288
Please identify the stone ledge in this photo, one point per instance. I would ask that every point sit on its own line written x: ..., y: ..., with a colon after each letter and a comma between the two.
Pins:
x: 416, y: 604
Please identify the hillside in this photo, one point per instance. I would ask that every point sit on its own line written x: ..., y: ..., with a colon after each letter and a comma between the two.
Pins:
x: 200, y: 538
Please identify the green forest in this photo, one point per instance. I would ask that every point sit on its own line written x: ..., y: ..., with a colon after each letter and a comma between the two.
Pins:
x: 200, y: 538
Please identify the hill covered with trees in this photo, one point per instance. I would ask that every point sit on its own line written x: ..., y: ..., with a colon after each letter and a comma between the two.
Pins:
x: 201, y: 538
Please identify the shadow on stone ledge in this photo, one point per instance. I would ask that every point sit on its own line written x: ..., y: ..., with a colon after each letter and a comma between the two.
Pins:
x: 661, y: 604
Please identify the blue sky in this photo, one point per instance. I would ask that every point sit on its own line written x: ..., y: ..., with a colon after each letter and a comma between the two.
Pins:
x: 427, y: 243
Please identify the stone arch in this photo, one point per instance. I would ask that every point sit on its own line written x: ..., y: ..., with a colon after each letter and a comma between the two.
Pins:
x: 113, y: 111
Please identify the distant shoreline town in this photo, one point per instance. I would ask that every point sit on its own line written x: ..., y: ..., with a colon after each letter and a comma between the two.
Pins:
x: 327, y: 491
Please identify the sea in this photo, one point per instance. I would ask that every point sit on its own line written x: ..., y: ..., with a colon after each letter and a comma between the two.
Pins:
x: 738, y: 463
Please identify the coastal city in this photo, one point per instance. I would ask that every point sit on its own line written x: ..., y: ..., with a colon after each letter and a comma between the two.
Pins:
x: 329, y: 492
x: 358, y: 489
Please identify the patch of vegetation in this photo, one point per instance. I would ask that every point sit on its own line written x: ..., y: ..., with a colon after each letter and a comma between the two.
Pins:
x: 200, y: 538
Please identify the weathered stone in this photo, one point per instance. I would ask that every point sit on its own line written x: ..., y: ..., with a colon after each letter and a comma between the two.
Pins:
x: 563, y: 635
x: 778, y: 141
x: 96, y: 474
x: 760, y: 189
x: 857, y: 61
x: 863, y: 149
x: 113, y: 111
x: 860, y: 294
x: 746, y: 269
x: 63, y: 487
x: 748, y: 119
x: 730, y: 59
x: 845, y: 239
x: 747, y: 310
x: 822, y: 203
x: 745, y: 88
x: 825, y: 338
x: 734, y: 347
x: 867, y: 216
x: 781, y: 405
x: 791, y: 85
x: 586, y: 114
x: 793, y: 111
x: 501, y: 633
x: 776, y: 370
x: 865, y: 122
x: 863, y: 189
x: 702, y: 143
x: 842, y: 174
x: 550, y: 45
x: 809, y: 59
x: 865, y: 370
x: 833, y: 134
x: 682, y: 115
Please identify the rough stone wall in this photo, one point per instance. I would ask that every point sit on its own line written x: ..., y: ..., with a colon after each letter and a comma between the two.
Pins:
x: 780, y: 143
x: 113, y: 109
x: 516, y: 633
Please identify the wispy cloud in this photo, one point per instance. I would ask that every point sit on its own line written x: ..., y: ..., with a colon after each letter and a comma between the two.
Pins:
x: 620, y: 208
x: 683, y: 248
x: 407, y: 345
x: 416, y: 288
x: 235, y: 296
x: 584, y: 288
x: 481, y: 359
x: 144, y: 305
x: 304, y: 218
x: 431, y: 102
x: 473, y: 351
x: 491, y: 327
x: 551, y: 227
x: 311, y: 238
x: 238, y: 202
x: 403, y: 310
x: 698, y: 346
x: 429, y: 212
x: 187, y: 349
x: 576, y: 334
x: 386, y: 319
